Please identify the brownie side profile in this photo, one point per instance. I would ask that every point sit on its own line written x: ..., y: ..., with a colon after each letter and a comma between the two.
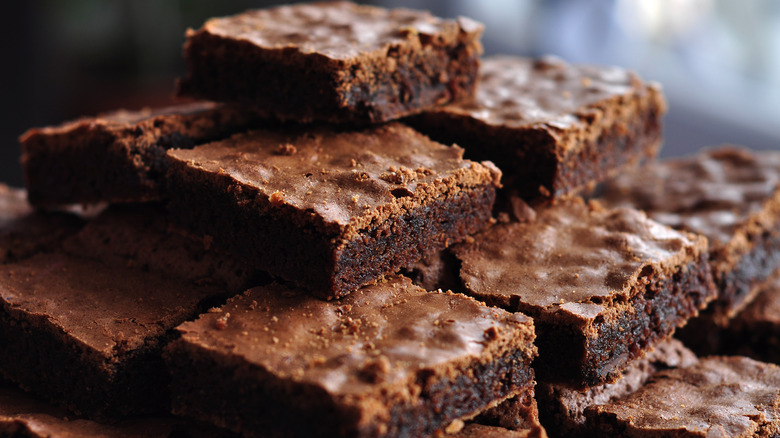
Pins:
x: 552, y: 127
x: 329, y: 210
x: 719, y: 396
x: 755, y: 332
x: 387, y: 360
x: 335, y: 62
x: 562, y: 409
x: 729, y: 195
x: 25, y: 232
x: 119, y: 156
x: 140, y: 236
x: 88, y: 336
x: 603, y: 286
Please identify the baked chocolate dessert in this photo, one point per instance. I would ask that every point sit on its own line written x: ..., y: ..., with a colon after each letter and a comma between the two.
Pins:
x: 335, y: 62
x: 552, y: 127
x: 330, y: 210
x: 387, y: 360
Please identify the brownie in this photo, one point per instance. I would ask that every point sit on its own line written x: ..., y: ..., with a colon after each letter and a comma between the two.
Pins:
x: 120, y: 156
x: 730, y: 195
x: 88, y: 336
x: 140, y: 236
x: 563, y: 409
x: 24, y: 232
x: 24, y: 416
x: 387, y: 360
x: 551, y: 126
x: 336, y: 61
x: 719, y: 396
x: 755, y: 331
x: 603, y: 286
x: 331, y: 210
x: 519, y: 413
x: 475, y: 430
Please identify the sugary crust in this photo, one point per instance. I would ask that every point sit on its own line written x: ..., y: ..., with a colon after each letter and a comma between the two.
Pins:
x: 719, y: 396
x: 119, y: 156
x: 333, y: 61
x: 377, y: 352
x: 554, y: 128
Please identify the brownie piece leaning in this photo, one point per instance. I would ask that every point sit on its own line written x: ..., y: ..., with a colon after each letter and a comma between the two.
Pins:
x: 603, y: 286
x: 22, y: 415
x: 562, y: 409
x: 88, y: 336
x: 330, y: 210
x: 719, y: 396
x: 24, y: 232
x: 335, y: 62
x: 119, y: 156
x: 552, y: 127
x: 387, y: 360
x: 729, y: 195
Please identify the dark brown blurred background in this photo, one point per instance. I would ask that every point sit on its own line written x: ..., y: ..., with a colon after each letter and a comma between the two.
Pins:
x: 719, y: 61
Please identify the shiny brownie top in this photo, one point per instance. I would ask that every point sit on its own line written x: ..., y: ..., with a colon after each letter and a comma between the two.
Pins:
x: 383, y: 335
x: 521, y: 92
x: 337, y: 30
x: 346, y: 179
x: 719, y: 396
x: 573, y: 257
x: 713, y: 193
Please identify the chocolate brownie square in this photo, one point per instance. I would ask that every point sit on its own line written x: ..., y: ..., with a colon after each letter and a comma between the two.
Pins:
x: 119, y: 156
x: 755, y: 331
x: 390, y: 359
x: 603, y: 286
x: 331, y: 210
x: 562, y: 409
x: 729, y: 195
x: 719, y: 396
x: 335, y: 62
x: 88, y: 336
x: 552, y: 127
x: 24, y: 232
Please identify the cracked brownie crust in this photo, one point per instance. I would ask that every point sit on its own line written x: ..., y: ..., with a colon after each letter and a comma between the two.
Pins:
x: 387, y: 360
x: 603, y: 286
x: 552, y: 127
x: 335, y: 62
x: 330, y: 210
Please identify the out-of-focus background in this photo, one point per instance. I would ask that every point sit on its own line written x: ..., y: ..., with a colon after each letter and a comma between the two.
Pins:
x: 719, y: 60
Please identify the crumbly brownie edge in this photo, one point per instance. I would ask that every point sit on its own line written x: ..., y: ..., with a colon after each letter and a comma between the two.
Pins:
x: 44, y: 360
x: 287, y: 244
x: 582, y: 355
x: 253, y: 401
x: 628, y: 133
x: 289, y: 85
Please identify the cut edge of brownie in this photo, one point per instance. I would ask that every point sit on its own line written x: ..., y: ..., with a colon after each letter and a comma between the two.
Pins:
x: 290, y: 84
x: 535, y: 168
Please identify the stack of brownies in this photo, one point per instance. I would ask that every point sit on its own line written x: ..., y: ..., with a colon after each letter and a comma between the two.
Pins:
x: 377, y: 233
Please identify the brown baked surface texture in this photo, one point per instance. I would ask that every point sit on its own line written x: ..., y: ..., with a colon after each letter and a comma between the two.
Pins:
x: 119, y: 156
x: 719, y: 396
x: 730, y: 195
x: 562, y: 409
x: 88, y: 336
x: 331, y: 210
x: 475, y: 430
x: 552, y: 127
x: 387, y: 360
x: 603, y: 286
x: 519, y: 413
x: 140, y: 236
x: 755, y: 331
x: 24, y: 232
x: 333, y: 61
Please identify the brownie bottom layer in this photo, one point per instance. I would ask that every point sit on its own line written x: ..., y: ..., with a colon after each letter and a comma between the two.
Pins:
x: 249, y: 401
x: 46, y: 362
x: 568, y: 356
x: 320, y: 260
